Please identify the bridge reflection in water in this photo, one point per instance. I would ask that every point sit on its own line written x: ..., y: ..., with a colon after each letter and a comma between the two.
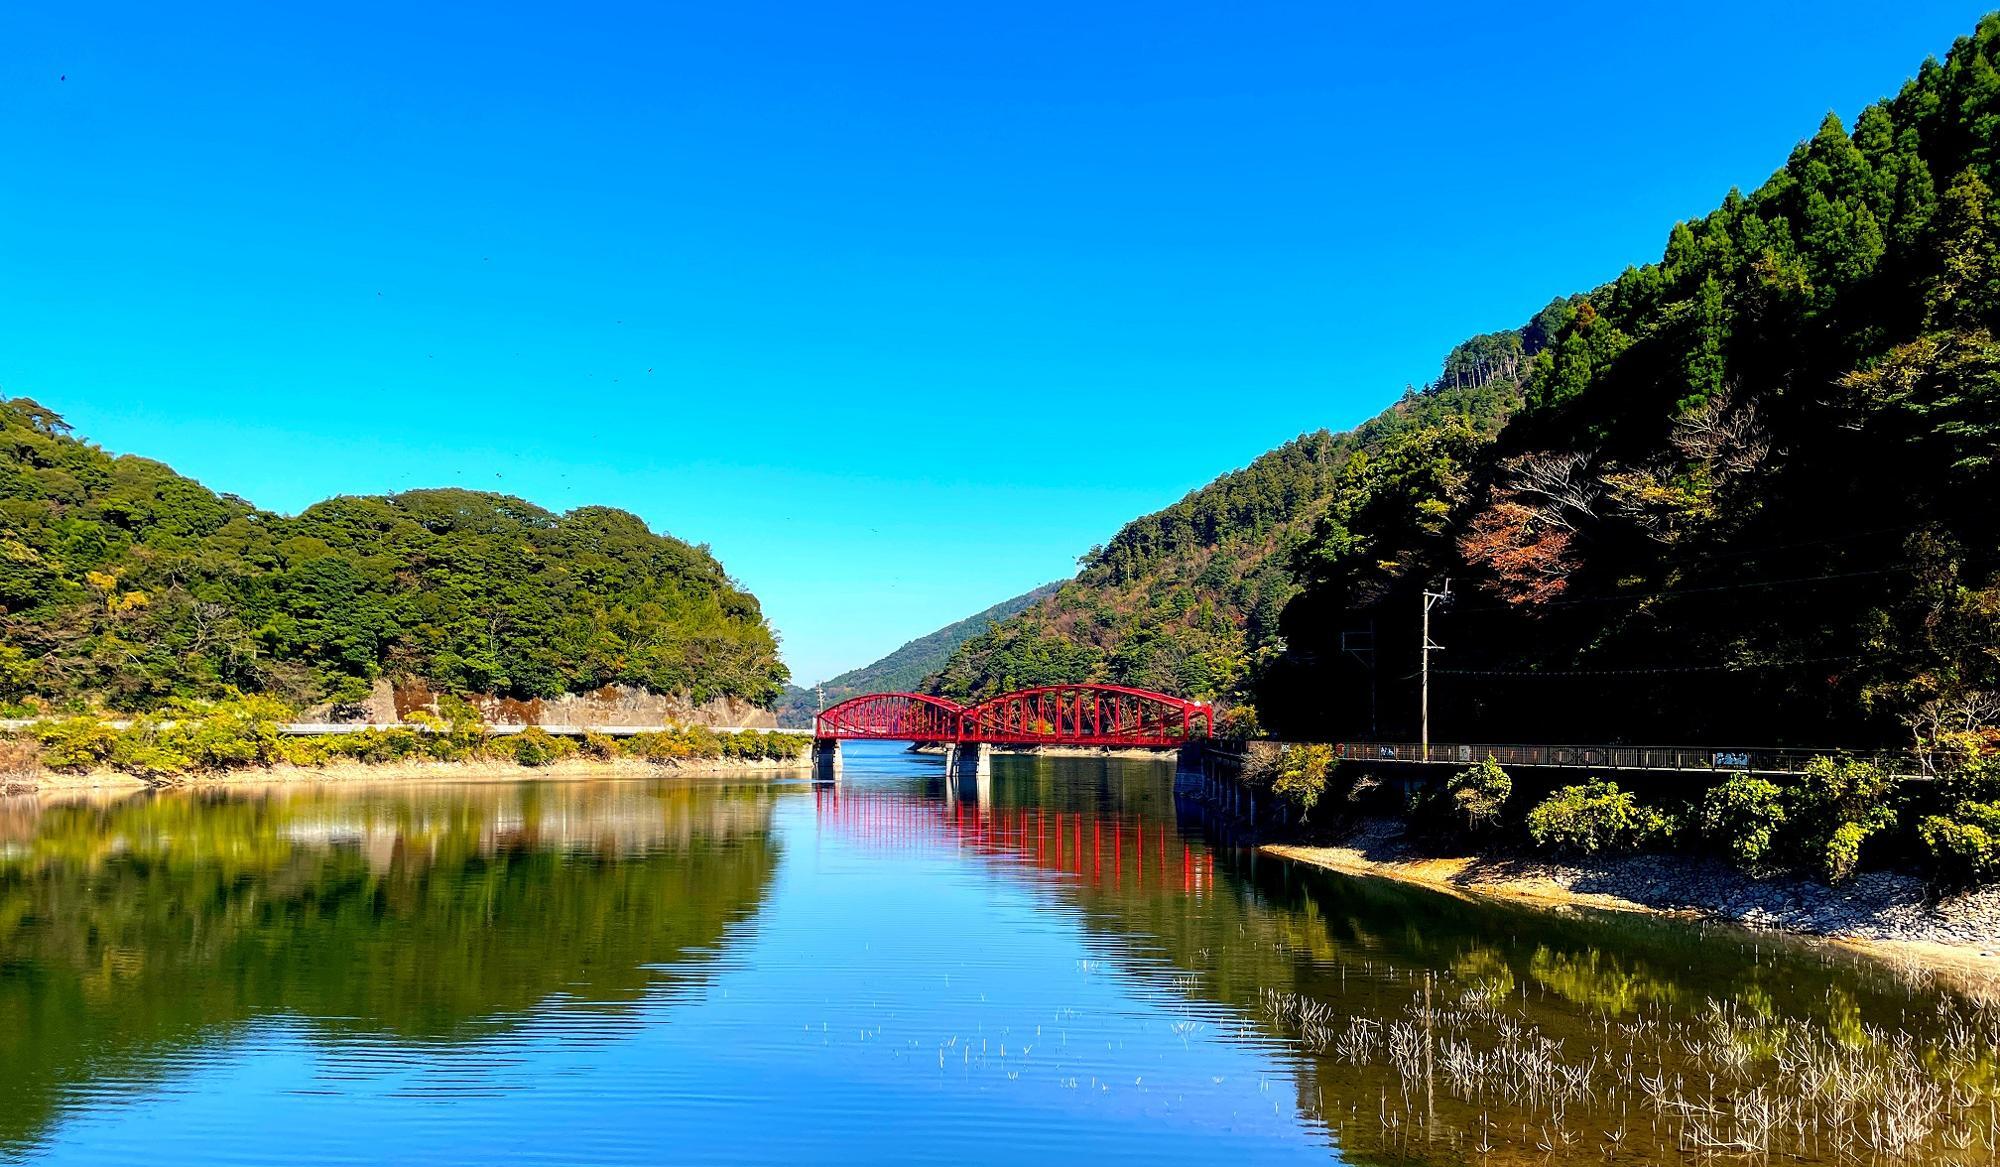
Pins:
x: 1100, y: 850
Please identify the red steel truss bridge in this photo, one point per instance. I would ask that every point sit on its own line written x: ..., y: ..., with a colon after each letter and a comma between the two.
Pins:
x: 1067, y: 715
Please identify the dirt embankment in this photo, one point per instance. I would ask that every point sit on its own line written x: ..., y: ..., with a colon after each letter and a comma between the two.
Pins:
x: 1883, y: 913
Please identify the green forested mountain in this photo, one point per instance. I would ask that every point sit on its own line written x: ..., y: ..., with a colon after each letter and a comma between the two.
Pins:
x: 1749, y: 492
x: 124, y: 583
x: 904, y: 669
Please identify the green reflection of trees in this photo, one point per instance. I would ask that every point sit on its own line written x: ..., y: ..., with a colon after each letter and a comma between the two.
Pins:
x: 131, y: 930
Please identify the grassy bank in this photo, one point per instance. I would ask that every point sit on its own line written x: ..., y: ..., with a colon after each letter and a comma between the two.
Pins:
x: 242, y: 737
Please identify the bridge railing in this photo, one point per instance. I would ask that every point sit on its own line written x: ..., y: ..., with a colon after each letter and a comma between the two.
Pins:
x: 1688, y: 759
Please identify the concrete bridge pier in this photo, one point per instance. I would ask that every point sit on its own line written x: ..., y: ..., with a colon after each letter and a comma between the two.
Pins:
x: 968, y: 772
x: 826, y: 759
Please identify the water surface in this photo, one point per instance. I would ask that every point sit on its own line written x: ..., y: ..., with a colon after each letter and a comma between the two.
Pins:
x: 1066, y: 961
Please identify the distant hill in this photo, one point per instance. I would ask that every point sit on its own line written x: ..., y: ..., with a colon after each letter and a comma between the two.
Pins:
x: 905, y: 668
x: 125, y: 584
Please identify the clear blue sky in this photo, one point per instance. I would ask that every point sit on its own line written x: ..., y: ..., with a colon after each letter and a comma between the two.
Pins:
x: 899, y: 307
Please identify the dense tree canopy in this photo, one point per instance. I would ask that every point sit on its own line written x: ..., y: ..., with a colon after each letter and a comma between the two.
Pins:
x: 125, y: 583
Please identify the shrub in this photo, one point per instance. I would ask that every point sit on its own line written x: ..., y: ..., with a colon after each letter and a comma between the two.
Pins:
x: 143, y: 748
x: 75, y: 744
x: 377, y: 745
x: 776, y: 747
x: 1816, y: 824
x: 535, y: 746
x: 1596, y: 818
x: 1238, y: 723
x: 304, y: 750
x: 1743, y: 816
x: 1299, y: 774
x: 1465, y: 804
x: 1964, y: 846
x: 1479, y: 793
x: 654, y: 747
x: 238, y: 731
x: 454, y: 733
x: 598, y: 746
x: 1836, y: 807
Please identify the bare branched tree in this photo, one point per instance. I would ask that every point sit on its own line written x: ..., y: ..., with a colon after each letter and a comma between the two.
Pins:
x: 1559, y: 487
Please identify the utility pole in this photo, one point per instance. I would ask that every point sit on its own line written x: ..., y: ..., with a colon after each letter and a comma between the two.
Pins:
x: 1431, y: 600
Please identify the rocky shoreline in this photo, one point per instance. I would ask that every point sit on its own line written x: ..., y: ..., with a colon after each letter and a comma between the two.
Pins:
x: 1889, y: 914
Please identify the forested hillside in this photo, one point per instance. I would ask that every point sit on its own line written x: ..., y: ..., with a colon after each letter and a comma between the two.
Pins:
x: 904, y: 669
x: 1749, y: 491
x: 126, y: 584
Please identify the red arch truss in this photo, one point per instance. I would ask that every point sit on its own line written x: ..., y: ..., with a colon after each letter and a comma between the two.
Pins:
x: 891, y: 716
x: 1086, y: 715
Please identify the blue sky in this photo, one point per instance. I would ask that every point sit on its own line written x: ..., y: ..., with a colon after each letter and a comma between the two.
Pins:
x: 899, y: 307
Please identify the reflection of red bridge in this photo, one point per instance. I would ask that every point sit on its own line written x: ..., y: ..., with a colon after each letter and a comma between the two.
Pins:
x: 1099, y: 851
x: 1074, y: 715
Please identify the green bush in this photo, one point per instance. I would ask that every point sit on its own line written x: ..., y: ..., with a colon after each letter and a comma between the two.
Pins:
x: 1596, y: 818
x: 1964, y: 846
x: 75, y: 744
x: 304, y: 750
x: 535, y: 746
x: 1238, y: 724
x: 1299, y: 774
x: 1838, y: 805
x: 1815, y: 824
x: 1479, y: 794
x: 224, y: 735
x: 143, y: 748
x: 454, y: 733
x: 777, y: 747
x: 1467, y: 804
x: 597, y: 746
x: 377, y: 745
x: 1743, y: 817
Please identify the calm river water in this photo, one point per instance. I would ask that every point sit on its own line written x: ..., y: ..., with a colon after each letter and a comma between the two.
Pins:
x: 719, y: 969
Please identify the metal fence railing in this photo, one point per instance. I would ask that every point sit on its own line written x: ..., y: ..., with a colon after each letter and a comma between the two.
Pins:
x: 1683, y: 759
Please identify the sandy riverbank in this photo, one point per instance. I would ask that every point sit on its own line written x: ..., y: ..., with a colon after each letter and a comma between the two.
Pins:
x: 569, y: 769
x: 1883, y: 914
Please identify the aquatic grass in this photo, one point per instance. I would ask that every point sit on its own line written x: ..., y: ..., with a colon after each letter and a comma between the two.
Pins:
x: 1729, y: 1079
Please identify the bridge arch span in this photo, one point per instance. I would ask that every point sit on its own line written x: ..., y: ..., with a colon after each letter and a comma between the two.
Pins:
x: 917, y: 717
x: 1086, y: 715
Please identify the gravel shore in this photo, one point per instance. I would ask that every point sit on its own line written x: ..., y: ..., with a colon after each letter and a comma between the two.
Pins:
x: 1884, y: 912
